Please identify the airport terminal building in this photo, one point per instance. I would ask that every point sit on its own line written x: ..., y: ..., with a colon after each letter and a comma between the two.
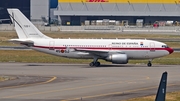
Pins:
x: 93, y: 12
x: 77, y: 11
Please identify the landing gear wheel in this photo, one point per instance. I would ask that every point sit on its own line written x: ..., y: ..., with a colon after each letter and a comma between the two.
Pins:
x: 97, y: 64
x: 91, y: 64
x: 149, y: 64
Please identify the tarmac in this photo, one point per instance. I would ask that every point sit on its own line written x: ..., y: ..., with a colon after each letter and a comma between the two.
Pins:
x: 79, y: 82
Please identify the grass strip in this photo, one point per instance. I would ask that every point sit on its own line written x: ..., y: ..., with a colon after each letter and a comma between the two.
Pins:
x: 4, y: 36
x: 1, y: 78
x: 10, y: 35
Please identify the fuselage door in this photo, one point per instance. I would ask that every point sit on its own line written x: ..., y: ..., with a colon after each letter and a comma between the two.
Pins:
x: 152, y: 47
x: 51, y: 45
x: 110, y: 47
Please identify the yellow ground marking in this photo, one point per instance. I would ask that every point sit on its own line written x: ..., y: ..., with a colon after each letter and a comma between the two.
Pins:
x: 147, y: 77
x: 113, y: 93
x: 3, y: 78
x: 67, y: 89
x: 52, y: 79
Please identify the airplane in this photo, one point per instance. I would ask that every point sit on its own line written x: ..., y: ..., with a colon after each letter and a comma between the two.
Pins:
x: 117, y: 51
x: 161, y: 93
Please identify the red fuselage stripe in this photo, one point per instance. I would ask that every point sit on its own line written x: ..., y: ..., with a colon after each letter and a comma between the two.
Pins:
x: 105, y: 48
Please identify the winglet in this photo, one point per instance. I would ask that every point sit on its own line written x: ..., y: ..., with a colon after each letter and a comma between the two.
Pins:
x: 161, y: 93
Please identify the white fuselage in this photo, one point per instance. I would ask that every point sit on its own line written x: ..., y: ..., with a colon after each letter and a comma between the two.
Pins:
x: 135, y: 49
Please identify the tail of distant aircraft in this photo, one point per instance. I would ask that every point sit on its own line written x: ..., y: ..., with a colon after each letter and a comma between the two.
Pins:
x: 161, y: 93
x: 24, y: 28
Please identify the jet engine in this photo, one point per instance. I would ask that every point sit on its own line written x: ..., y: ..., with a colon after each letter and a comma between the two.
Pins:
x: 117, y: 58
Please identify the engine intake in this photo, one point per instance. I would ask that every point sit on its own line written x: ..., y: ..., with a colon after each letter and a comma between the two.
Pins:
x: 117, y: 58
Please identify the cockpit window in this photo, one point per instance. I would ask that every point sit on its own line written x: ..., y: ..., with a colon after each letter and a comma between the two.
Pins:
x: 165, y: 46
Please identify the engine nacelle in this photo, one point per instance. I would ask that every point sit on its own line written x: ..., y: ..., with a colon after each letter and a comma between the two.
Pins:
x: 117, y: 58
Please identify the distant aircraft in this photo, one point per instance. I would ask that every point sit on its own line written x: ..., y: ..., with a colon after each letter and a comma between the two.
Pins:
x: 161, y: 93
x: 117, y: 51
x: 1, y: 20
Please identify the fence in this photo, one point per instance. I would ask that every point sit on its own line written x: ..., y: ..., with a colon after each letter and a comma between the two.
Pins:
x: 174, y: 29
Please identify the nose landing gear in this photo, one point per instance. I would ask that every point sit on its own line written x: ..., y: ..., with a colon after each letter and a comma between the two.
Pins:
x: 149, y: 64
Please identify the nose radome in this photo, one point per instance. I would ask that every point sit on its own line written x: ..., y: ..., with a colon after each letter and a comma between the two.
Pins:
x: 170, y: 50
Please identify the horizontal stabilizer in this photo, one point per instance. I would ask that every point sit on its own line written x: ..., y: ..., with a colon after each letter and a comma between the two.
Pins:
x: 22, y: 42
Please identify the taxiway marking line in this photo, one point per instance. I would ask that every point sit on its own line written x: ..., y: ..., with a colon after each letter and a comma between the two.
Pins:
x: 50, y: 80
x: 68, y: 89
x: 113, y: 93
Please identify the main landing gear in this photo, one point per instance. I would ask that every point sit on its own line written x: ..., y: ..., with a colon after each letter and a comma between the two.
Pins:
x: 95, y: 63
x: 149, y: 64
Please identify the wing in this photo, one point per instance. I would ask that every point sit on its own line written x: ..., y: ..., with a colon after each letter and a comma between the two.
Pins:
x: 100, y: 53
x: 90, y: 50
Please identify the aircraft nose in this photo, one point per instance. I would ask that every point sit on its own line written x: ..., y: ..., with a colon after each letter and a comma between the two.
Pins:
x: 170, y: 50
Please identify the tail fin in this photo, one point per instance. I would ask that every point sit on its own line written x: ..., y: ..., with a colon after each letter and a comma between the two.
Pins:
x: 161, y: 93
x: 24, y: 28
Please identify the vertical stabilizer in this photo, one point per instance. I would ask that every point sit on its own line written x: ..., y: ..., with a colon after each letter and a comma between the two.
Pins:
x: 161, y: 93
x: 24, y: 28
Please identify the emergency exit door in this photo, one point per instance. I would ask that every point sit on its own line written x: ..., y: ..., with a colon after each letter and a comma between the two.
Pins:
x: 51, y: 45
x: 152, y: 47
